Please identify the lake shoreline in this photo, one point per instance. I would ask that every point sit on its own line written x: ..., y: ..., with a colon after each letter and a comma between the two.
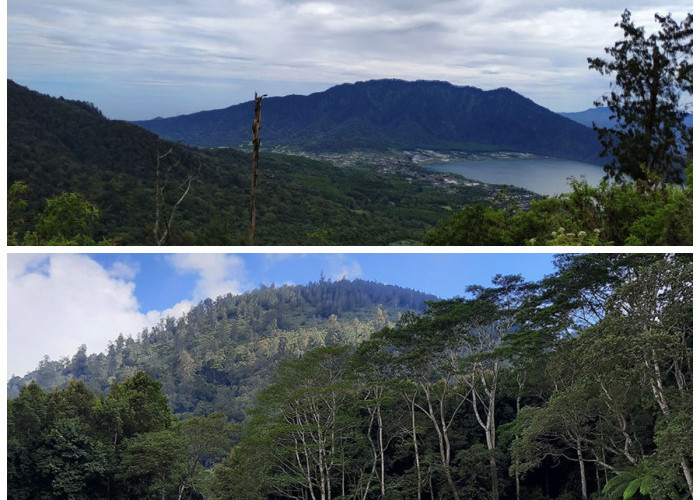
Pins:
x: 545, y: 176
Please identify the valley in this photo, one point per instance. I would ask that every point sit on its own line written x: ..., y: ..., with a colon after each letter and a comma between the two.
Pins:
x: 341, y: 167
x: 371, y: 197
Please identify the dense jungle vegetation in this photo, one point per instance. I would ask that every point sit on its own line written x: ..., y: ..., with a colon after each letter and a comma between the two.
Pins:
x: 577, y: 386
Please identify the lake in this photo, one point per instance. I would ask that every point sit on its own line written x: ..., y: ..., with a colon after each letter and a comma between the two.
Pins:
x: 541, y: 175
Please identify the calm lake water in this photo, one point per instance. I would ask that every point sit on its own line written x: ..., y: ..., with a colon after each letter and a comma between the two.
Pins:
x: 541, y: 175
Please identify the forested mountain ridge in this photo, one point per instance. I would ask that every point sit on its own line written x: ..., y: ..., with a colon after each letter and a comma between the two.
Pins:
x: 57, y: 146
x: 384, y: 114
x: 223, y: 351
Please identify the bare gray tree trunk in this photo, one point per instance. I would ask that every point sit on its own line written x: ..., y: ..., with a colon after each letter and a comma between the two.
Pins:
x: 161, y: 238
x: 256, y: 151
x: 412, y: 406
x: 582, y: 469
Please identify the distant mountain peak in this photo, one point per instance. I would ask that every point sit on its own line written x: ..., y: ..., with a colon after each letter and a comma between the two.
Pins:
x: 391, y: 114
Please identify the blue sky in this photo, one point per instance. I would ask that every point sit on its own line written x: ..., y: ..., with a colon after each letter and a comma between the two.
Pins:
x: 163, y: 58
x: 59, y: 301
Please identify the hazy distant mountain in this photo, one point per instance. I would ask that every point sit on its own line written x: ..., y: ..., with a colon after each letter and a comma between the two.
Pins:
x: 383, y: 114
x: 601, y: 116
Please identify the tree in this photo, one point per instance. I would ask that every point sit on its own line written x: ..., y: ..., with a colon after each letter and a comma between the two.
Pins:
x: 305, y: 416
x: 427, y: 352
x: 72, y: 464
x: 652, y: 75
x: 254, y: 180
x: 26, y: 418
x: 622, y: 384
x: 140, y: 406
x: 206, y: 440
x: 64, y: 221
x: 152, y: 465
x: 163, y: 235
x: 16, y: 205
x: 492, y: 316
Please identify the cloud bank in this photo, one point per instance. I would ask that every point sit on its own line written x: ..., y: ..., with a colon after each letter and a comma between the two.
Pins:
x: 181, y: 57
x: 53, y: 300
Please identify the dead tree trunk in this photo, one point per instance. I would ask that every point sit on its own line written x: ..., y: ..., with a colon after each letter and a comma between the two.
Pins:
x: 254, y: 182
x: 161, y: 236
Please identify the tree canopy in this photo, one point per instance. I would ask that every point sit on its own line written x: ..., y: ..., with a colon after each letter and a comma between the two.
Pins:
x: 653, y: 80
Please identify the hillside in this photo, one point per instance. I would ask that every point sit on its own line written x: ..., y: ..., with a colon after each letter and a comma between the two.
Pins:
x: 219, y: 355
x: 384, y: 114
x: 56, y: 145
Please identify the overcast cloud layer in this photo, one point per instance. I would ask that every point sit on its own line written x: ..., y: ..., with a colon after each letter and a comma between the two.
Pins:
x: 139, y: 60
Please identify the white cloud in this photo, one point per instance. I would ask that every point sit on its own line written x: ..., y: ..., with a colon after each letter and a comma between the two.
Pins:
x: 176, y: 311
x: 218, y: 274
x: 58, y: 302
x: 123, y: 270
x: 339, y: 266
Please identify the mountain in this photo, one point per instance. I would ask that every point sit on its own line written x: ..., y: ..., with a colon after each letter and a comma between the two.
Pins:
x: 217, y: 356
x: 385, y: 114
x: 601, y: 116
x: 56, y: 145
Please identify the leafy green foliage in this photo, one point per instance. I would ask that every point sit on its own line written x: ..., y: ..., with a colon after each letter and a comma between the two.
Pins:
x: 70, y: 462
x: 151, y: 464
x: 73, y: 444
x: 652, y: 75
x: 635, y: 213
x: 64, y: 221
x: 16, y: 204
x: 600, y: 406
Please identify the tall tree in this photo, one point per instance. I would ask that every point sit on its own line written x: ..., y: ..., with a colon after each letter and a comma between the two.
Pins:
x: 652, y: 75
x: 429, y: 348
x: 304, y: 418
x: 254, y: 179
x: 152, y: 465
x: 491, y: 317
x: 26, y: 418
x: 161, y: 235
x: 71, y: 463
x: 622, y: 384
x: 206, y: 440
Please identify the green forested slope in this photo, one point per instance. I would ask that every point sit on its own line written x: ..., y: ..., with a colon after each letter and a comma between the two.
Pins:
x: 223, y: 351
x: 57, y: 146
x: 579, y: 386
